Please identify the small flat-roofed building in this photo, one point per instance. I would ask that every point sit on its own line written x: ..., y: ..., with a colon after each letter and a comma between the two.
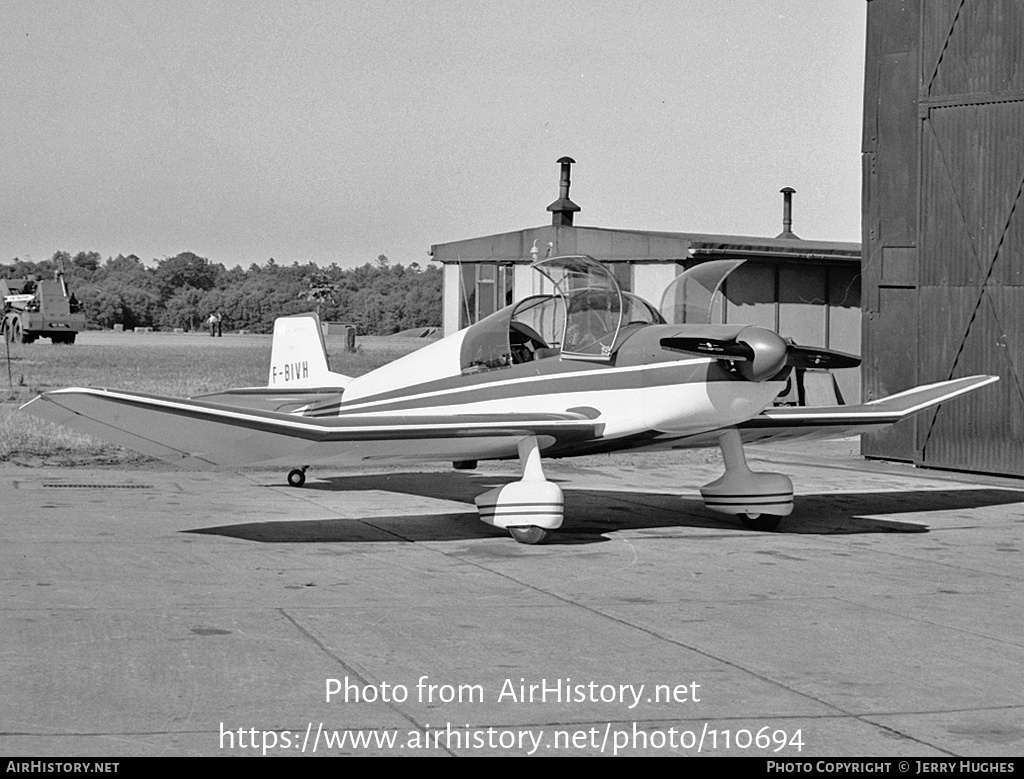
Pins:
x: 806, y: 290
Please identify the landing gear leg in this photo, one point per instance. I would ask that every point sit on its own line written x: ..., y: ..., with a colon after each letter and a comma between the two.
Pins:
x: 297, y: 476
x: 529, y: 508
x: 746, y: 493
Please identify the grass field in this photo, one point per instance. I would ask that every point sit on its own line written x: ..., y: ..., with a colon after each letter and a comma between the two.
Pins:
x: 165, y: 364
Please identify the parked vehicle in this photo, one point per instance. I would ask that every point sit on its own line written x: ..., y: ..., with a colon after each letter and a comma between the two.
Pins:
x: 35, y: 308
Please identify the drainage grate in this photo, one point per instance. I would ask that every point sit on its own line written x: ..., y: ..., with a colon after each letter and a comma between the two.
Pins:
x: 99, y: 486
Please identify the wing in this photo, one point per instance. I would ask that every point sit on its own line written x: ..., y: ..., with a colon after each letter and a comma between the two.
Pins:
x: 205, y: 434
x: 839, y: 421
x: 820, y: 422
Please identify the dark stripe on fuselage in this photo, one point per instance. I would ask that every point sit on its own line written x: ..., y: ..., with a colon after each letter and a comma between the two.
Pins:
x: 526, y: 380
x: 519, y: 508
x: 761, y: 497
x: 747, y: 500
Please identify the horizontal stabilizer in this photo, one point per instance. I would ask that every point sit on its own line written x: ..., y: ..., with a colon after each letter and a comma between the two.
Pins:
x: 285, y: 401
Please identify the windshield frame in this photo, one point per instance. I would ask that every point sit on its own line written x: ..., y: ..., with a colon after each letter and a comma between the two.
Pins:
x: 593, y: 305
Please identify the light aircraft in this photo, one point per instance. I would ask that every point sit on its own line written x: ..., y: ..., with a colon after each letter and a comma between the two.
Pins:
x: 584, y: 369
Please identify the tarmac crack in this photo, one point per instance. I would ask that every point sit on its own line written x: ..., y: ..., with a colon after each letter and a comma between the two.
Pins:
x: 654, y: 634
x: 323, y: 647
x: 841, y: 713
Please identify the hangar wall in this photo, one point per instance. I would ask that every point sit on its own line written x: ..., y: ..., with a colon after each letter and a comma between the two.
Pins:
x: 943, y: 225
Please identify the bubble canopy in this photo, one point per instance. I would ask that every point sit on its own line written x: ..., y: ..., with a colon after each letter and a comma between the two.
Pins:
x: 581, y: 321
x: 689, y: 300
x: 593, y: 305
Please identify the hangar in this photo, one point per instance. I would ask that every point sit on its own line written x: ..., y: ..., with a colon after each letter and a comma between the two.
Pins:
x: 807, y: 290
x: 943, y: 225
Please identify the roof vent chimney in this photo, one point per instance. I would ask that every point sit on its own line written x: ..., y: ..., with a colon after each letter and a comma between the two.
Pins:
x: 787, y: 215
x: 563, y: 209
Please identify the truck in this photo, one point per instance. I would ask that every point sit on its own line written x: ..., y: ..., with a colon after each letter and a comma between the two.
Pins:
x: 35, y: 308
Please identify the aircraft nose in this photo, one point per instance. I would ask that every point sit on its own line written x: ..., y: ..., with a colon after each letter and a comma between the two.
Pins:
x: 769, y: 350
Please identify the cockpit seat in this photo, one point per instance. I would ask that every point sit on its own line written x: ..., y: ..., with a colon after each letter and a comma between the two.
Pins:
x: 526, y: 343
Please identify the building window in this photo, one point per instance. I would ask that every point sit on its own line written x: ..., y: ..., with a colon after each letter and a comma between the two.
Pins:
x: 623, y: 273
x: 486, y: 287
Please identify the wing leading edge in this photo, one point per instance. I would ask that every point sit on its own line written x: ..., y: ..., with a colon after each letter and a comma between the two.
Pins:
x: 205, y: 434
x: 837, y: 421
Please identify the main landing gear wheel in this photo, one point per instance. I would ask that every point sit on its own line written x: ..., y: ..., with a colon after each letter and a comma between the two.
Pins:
x: 529, y: 508
x: 759, y: 499
x: 760, y: 522
x: 297, y: 477
x: 529, y: 534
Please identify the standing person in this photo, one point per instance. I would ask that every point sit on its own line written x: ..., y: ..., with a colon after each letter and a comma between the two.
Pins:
x: 220, y: 323
x: 212, y: 324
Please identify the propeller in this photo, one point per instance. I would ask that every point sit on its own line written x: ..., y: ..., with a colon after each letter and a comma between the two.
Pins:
x: 759, y: 353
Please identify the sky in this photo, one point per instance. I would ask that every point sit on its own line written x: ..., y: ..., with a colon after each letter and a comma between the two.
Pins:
x: 339, y: 131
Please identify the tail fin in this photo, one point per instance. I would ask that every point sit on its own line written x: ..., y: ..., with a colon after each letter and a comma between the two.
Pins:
x: 298, y: 357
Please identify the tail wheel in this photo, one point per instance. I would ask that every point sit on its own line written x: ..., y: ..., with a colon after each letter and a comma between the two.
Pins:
x: 297, y: 477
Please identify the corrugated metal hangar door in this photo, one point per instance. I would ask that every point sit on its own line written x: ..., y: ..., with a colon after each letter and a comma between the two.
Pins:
x: 961, y: 276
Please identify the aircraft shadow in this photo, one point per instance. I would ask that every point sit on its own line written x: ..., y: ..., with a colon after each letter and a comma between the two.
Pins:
x: 591, y: 515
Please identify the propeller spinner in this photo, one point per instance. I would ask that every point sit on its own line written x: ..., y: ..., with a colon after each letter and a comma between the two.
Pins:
x: 760, y: 354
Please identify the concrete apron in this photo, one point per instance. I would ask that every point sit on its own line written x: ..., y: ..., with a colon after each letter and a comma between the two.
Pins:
x: 155, y: 612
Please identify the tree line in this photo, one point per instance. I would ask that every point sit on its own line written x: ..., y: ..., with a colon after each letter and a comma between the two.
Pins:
x: 379, y: 298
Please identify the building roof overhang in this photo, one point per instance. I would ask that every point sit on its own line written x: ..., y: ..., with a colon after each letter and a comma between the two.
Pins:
x: 671, y: 246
